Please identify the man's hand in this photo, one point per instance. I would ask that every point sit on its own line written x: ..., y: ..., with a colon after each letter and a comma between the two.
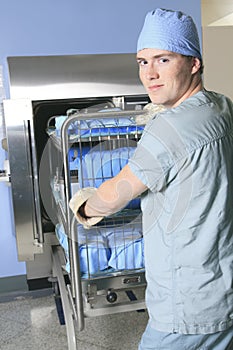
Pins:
x: 78, y: 199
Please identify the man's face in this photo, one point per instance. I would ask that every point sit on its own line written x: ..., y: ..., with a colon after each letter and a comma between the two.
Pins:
x: 166, y: 76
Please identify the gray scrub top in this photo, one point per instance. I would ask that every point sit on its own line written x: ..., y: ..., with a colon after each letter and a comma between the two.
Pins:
x: 185, y: 158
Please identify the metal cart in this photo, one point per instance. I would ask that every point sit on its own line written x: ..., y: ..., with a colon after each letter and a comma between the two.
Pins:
x: 105, y: 264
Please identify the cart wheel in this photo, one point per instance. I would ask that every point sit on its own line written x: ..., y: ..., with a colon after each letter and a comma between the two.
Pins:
x: 111, y: 297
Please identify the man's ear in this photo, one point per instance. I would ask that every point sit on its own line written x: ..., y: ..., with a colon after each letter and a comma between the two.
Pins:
x: 196, y: 65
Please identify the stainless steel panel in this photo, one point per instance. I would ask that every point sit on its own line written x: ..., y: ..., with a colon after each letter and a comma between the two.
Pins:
x: 72, y: 76
x: 18, y: 115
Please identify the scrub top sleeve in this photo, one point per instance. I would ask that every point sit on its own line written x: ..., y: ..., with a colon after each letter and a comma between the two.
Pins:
x: 151, y: 161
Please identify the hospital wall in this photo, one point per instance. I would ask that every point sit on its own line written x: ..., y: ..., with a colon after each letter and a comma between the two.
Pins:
x: 61, y: 27
x: 218, y: 58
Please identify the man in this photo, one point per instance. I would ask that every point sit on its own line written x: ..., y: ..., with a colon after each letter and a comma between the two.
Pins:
x: 182, y: 168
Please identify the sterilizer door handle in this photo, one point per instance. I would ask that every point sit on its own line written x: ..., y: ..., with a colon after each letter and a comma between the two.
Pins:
x: 5, y: 173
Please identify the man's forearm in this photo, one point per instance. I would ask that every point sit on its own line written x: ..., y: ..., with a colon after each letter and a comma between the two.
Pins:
x: 114, y: 194
x: 108, y: 199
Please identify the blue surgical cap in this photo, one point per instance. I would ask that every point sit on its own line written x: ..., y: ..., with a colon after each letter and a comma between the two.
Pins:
x: 170, y: 30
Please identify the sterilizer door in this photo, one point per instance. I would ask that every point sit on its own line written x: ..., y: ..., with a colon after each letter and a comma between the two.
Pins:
x: 24, y: 184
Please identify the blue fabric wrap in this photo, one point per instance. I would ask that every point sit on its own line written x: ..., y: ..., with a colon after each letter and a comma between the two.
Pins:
x: 96, y: 127
x: 98, y: 167
x: 126, y: 245
x: 101, y: 249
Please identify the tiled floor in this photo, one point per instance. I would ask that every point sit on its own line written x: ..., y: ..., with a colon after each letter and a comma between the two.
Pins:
x: 31, y: 323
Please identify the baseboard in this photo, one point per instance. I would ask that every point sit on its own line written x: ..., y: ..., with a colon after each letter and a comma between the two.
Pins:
x: 18, y: 287
x: 13, y: 283
x: 39, y: 283
x: 21, y: 283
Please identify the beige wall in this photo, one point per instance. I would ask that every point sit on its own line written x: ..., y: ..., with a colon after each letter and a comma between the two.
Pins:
x: 218, y: 59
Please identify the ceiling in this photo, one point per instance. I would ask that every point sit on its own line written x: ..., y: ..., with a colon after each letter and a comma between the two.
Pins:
x: 217, y: 12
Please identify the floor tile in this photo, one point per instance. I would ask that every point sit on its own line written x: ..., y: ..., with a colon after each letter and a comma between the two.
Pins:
x: 33, y: 324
